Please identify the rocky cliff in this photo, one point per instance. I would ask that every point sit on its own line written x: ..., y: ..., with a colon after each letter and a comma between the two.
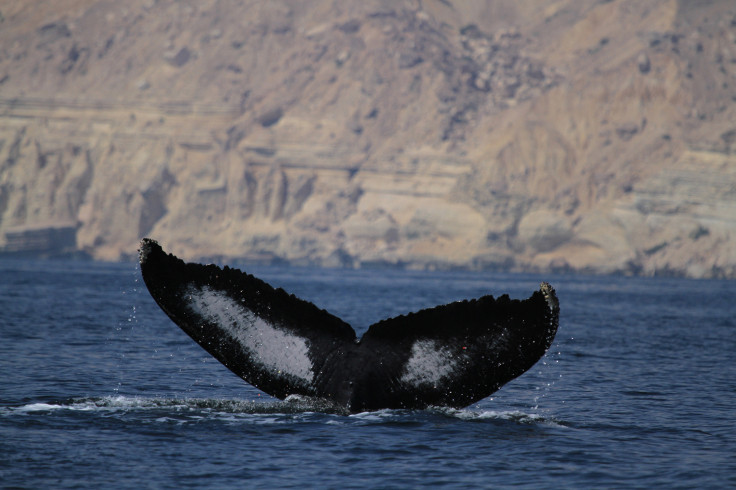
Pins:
x: 581, y: 135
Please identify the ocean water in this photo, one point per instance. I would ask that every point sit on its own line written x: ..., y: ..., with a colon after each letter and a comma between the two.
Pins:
x: 99, y: 388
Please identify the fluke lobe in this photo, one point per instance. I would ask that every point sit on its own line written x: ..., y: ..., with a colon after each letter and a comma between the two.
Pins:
x: 451, y: 355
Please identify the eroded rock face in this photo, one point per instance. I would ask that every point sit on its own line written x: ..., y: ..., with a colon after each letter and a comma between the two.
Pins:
x: 576, y: 135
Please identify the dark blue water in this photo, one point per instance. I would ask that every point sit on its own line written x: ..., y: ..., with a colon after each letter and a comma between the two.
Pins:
x: 98, y: 387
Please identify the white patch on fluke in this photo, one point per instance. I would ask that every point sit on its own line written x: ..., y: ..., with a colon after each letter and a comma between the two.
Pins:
x: 428, y: 364
x: 274, y: 348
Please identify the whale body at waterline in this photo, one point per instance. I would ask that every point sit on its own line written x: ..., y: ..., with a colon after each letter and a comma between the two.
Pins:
x: 451, y: 355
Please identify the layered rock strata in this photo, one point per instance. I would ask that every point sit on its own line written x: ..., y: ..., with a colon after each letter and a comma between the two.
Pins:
x: 565, y: 135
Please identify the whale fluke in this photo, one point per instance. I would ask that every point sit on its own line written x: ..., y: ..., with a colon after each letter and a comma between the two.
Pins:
x: 452, y: 355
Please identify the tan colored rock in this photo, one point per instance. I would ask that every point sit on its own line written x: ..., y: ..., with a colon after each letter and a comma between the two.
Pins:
x: 553, y: 135
x: 544, y: 231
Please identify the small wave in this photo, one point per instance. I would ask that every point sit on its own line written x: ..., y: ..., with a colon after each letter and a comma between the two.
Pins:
x: 379, y: 415
x: 510, y: 415
x: 167, y: 410
x: 35, y: 407
x: 291, y: 405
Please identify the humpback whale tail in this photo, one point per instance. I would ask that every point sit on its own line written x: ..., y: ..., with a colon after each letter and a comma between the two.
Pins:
x: 451, y: 355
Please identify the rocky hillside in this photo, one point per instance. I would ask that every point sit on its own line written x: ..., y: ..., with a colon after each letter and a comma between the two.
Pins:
x: 585, y: 135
